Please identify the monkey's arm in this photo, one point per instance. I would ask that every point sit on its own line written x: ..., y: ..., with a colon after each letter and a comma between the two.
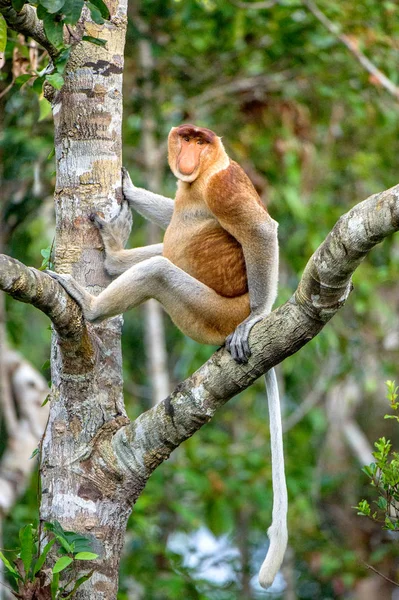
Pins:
x: 260, y: 247
x: 153, y: 207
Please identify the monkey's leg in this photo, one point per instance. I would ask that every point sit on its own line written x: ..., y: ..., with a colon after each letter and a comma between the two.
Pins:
x: 197, y: 310
x: 117, y: 262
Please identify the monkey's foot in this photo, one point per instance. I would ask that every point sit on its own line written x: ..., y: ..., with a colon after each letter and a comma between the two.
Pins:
x: 115, y: 233
x: 77, y: 292
x: 237, y: 342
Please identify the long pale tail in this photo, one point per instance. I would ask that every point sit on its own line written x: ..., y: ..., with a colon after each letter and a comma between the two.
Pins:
x: 277, y: 532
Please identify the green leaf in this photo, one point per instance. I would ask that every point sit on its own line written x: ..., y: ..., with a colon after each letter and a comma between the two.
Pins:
x: 78, y: 583
x: 45, y: 366
x: 9, y: 566
x: 34, y: 453
x: 95, y: 13
x: 64, y: 543
x: 18, y: 4
x: 79, y: 542
x: 56, y: 80
x: 47, y: 398
x: 41, y: 12
x: 27, y: 547
x: 19, y: 81
x: 102, y: 8
x: 52, y: 6
x: 40, y: 561
x: 93, y: 40
x: 51, y: 154
x: 86, y: 556
x: 37, y: 86
x: 3, y: 33
x: 44, y: 110
x: 382, y: 503
x: 62, y: 563
x: 61, y: 61
x: 54, y: 30
x: 72, y: 11
x: 54, y: 586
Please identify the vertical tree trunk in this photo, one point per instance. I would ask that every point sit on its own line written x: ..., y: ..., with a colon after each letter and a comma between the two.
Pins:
x: 86, y: 397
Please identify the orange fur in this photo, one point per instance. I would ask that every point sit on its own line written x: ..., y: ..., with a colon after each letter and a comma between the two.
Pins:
x: 199, y: 239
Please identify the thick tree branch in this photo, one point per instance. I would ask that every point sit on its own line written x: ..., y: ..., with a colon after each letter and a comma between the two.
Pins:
x: 26, y: 22
x: 352, y: 46
x: 325, y: 285
x: 29, y: 285
x: 142, y: 445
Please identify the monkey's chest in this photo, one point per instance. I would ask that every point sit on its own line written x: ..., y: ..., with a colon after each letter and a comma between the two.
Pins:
x: 208, y: 253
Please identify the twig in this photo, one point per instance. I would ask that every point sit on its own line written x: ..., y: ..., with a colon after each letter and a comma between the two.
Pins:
x: 395, y: 583
x: 255, y: 5
x: 243, y: 84
x: 7, y: 89
x: 352, y: 46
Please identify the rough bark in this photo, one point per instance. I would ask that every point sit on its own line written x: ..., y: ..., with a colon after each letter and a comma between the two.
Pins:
x: 80, y: 485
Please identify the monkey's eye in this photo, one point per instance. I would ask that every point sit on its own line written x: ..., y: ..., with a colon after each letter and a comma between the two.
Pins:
x: 186, y: 138
x: 200, y: 142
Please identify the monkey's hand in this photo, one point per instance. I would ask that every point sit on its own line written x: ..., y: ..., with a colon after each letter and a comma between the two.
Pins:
x: 78, y: 293
x: 237, y: 342
x: 115, y: 233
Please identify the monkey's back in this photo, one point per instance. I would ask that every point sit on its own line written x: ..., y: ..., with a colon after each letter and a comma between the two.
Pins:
x: 195, y: 242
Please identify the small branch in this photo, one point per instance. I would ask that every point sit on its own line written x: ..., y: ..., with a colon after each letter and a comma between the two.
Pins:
x: 8, y: 88
x: 395, y: 583
x: 353, y: 47
x: 26, y: 22
x: 239, y: 85
x: 255, y: 5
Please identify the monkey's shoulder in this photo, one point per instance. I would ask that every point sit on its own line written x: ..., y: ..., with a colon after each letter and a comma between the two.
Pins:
x: 230, y: 191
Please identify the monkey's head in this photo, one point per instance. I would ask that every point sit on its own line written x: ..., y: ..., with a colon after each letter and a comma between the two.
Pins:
x: 192, y: 150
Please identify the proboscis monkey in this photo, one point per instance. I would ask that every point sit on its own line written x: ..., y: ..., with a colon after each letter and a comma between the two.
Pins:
x: 215, y: 273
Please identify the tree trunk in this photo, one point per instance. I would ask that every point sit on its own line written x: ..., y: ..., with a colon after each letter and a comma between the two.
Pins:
x: 86, y: 397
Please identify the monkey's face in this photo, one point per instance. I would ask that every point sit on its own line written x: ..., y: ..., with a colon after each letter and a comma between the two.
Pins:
x: 191, y: 151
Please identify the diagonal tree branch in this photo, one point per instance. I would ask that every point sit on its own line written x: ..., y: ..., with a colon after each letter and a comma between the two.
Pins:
x: 325, y: 285
x: 140, y: 446
x: 29, y: 285
x: 26, y: 22
x: 353, y: 47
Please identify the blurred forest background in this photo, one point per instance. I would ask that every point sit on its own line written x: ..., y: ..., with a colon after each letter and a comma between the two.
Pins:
x: 316, y: 129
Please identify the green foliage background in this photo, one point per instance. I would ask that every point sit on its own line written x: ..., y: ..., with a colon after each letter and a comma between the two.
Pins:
x: 317, y: 135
